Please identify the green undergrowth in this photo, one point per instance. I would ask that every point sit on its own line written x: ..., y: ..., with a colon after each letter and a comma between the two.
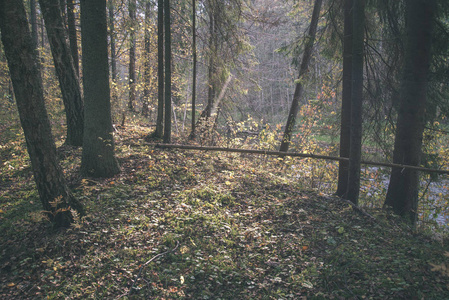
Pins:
x: 202, y: 225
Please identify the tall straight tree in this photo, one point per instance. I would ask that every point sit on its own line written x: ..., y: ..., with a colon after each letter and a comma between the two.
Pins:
x: 132, y: 7
x: 345, y: 127
x: 68, y: 79
x: 147, y: 65
x: 299, y: 89
x: 55, y: 196
x: 98, y: 158
x: 160, y: 70
x: 192, y: 134
x: 402, y: 194
x: 112, y: 40
x: 355, y: 147
x: 167, y: 75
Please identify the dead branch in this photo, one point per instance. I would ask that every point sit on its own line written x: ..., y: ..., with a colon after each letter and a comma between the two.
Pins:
x: 145, y: 264
x: 293, y: 154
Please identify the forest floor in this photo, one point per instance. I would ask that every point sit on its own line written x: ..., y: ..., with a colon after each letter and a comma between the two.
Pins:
x: 179, y: 224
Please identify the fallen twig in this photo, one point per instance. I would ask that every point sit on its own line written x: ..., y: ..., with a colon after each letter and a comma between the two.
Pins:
x: 145, y: 264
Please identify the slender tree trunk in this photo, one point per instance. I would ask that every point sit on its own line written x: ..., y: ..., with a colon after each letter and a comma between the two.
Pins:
x: 355, y: 148
x: 68, y: 80
x: 192, y: 134
x: 345, y: 128
x: 147, y: 66
x: 160, y: 70
x: 55, y: 196
x: 132, y: 54
x: 73, y: 39
x: 98, y: 158
x: 167, y: 85
x: 285, y: 143
x: 112, y: 40
x: 211, y: 72
x: 402, y: 194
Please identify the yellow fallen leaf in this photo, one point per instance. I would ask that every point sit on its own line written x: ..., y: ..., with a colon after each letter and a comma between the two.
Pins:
x: 1, y: 211
x: 11, y: 284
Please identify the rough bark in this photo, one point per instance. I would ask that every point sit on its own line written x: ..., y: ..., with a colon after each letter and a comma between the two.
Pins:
x: 167, y: 75
x: 65, y: 70
x: 54, y: 194
x: 355, y: 148
x: 291, y: 120
x: 402, y: 194
x: 98, y: 158
x: 345, y: 127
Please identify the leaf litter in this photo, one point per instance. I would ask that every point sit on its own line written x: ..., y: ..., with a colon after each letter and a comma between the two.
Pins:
x: 240, y: 226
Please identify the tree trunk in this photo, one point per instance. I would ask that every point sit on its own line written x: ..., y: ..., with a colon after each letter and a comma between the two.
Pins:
x: 285, y: 143
x: 132, y: 54
x: 35, y: 36
x: 345, y: 127
x: 73, y: 39
x: 160, y: 70
x: 98, y: 158
x: 147, y: 65
x: 33, y: 21
x: 355, y: 148
x: 402, y: 194
x: 112, y: 40
x: 55, y: 196
x: 212, y: 70
x: 167, y: 85
x: 68, y: 80
x: 192, y: 134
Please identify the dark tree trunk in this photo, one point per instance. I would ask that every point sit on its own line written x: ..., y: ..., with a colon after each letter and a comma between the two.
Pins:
x: 160, y: 70
x: 345, y: 127
x: 355, y: 149
x: 35, y: 36
x: 167, y: 85
x: 112, y: 39
x: 63, y: 6
x: 33, y: 21
x: 55, y: 196
x: 68, y: 80
x: 132, y: 54
x: 73, y: 39
x: 402, y: 194
x: 192, y: 134
x: 285, y: 143
x: 147, y: 66
x: 98, y: 158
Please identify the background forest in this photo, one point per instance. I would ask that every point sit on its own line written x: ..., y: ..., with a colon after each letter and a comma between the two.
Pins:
x: 227, y: 74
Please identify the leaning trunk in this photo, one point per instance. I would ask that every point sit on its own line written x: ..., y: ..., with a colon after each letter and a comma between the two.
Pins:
x: 55, y: 196
x: 285, y: 143
x: 68, y: 80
